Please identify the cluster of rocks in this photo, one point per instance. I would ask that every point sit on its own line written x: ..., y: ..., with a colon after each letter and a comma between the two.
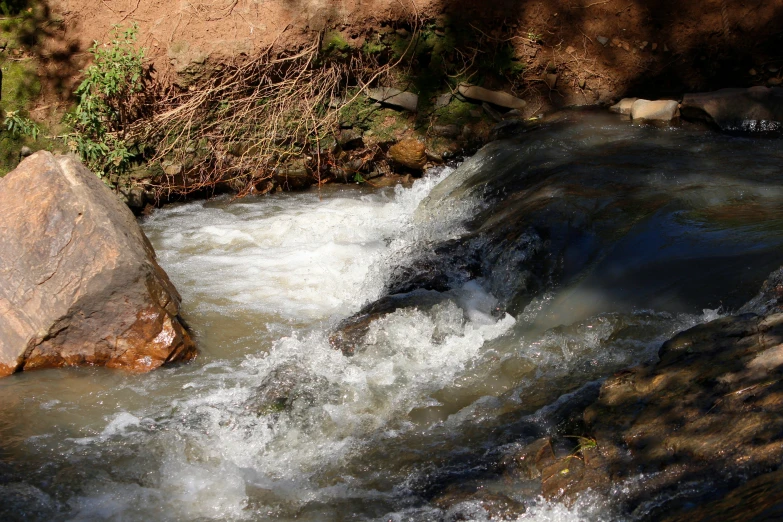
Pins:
x: 756, y: 109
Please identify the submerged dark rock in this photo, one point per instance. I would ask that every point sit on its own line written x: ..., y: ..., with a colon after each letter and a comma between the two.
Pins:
x: 709, y: 412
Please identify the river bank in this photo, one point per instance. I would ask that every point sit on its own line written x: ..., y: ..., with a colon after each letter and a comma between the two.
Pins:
x: 202, y: 124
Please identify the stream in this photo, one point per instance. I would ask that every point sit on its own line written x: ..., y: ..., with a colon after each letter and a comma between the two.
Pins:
x: 364, y: 351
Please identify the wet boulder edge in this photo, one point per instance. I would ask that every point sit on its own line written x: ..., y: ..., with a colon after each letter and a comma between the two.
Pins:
x: 79, y: 283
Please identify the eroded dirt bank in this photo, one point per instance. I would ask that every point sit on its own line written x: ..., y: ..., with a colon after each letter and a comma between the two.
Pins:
x: 207, y: 61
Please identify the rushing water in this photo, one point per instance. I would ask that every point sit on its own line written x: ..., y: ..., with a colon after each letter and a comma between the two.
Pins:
x: 521, y: 279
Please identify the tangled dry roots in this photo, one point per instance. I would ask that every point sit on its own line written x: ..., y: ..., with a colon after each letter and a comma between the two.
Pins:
x: 243, y: 124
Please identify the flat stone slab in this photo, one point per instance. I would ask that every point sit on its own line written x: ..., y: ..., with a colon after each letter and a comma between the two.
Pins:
x: 395, y: 97
x: 501, y: 99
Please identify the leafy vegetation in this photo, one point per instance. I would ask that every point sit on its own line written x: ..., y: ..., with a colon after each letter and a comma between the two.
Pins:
x: 18, y: 125
x: 105, y: 102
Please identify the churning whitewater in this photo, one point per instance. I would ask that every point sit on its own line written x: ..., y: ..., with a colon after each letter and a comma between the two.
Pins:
x: 283, y: 273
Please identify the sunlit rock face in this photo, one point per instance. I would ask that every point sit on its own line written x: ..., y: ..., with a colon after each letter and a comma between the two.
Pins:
x: 79, y: 284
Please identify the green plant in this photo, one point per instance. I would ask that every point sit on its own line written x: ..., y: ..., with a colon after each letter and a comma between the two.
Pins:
x: 18, y: 125
x: 105, y: 103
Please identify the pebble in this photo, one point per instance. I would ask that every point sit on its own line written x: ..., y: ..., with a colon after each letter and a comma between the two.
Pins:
x: 772, y: 69
x: 602, y: 40
x: 752, y: 72
x: 774, y: 81
x: 26, y: 151
x: 570, y: 50
x: 654, y: 46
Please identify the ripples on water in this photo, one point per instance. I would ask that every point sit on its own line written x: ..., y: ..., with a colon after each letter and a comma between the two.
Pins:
x: 437, y: 393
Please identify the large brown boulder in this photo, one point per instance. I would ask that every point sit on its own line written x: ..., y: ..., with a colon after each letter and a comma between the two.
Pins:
x: 79, y: 284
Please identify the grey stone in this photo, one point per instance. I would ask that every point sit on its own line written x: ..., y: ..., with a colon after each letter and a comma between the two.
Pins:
x: 603, y: 40
x: 395, y: 98
x: 26, y: 151
x: 501, y: 99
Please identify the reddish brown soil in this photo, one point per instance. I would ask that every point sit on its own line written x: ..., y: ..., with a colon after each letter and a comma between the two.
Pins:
x: 699, y: 44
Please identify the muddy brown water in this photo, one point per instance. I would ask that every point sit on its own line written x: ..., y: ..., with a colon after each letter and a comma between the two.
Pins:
x: 543, y: 264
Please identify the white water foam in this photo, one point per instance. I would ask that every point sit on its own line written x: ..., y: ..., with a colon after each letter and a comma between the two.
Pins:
x: 295, y: 257
x: 306, y: 261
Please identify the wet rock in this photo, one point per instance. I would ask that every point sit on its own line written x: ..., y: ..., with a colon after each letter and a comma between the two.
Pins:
x: 663, y: 111
x: 409, y: 153
x: 79, y: 284
x: 349, y: 335
x: 528, y: 462
x: 770, y: 297
x: 395, y: 97
x: 753, y: 109
x: 501, y: 99
x: 281, y: 388
x: 759, y: 499
x: 468, y: 503
x: 710, y: 409
x: 623, y: 106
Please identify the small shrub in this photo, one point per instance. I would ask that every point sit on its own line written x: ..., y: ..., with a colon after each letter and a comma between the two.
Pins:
x: 18, y: 125
x: 104, y: 103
